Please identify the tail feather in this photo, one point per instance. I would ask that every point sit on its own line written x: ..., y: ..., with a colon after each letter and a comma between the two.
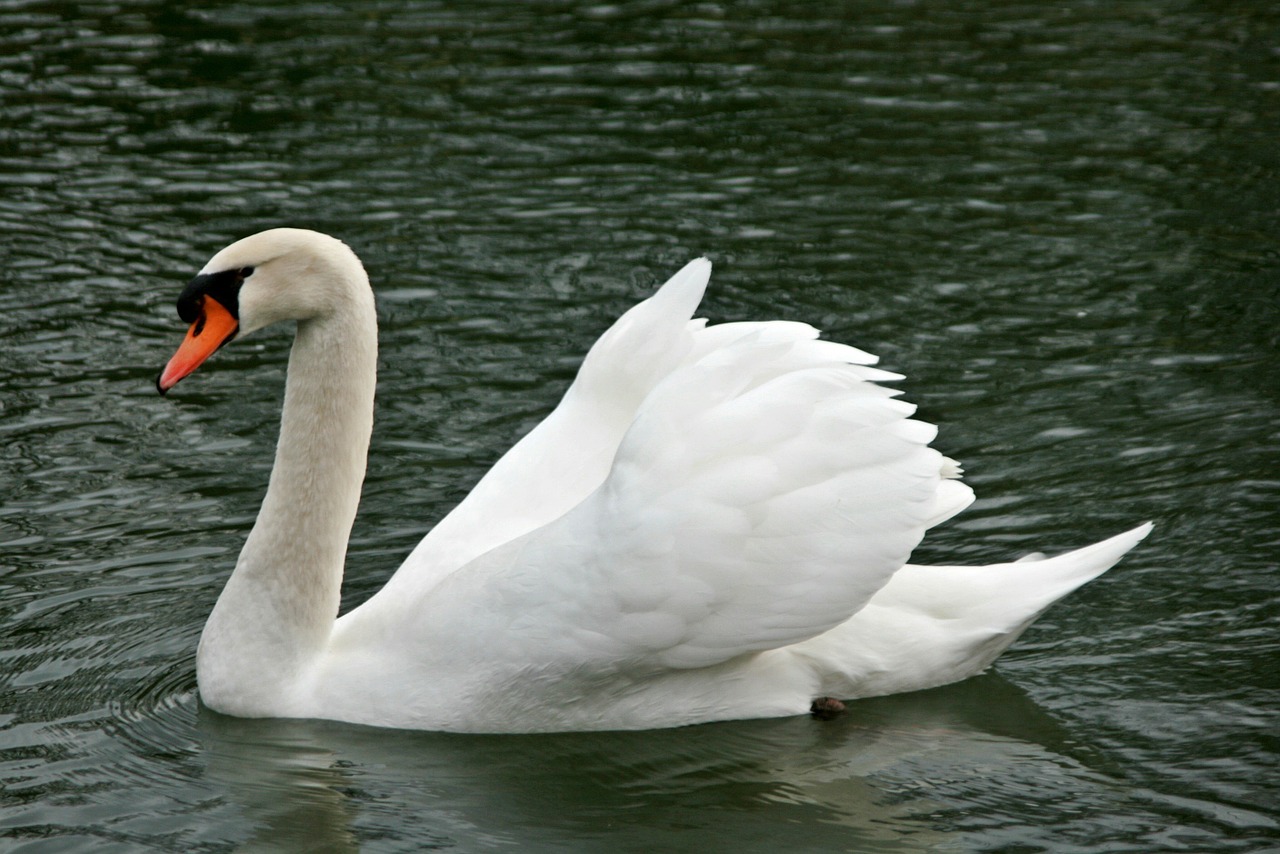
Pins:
x: 1004, y: 596
x: 933, y: 625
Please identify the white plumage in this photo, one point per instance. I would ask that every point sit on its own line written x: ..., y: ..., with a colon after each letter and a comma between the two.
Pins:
x: 714, y: 523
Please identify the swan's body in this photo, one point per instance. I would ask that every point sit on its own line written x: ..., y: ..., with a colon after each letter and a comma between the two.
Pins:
x: 713, y: 524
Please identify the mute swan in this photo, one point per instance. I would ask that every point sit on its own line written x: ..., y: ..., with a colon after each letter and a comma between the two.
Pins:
x: 713, y: 523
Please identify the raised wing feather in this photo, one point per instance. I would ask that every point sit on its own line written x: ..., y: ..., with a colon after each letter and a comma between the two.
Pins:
x: 762, y: 494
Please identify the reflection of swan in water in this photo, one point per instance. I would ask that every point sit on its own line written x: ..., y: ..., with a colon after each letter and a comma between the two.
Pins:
x: 869, y: 781
x: 287, y: 784
x: 713, y: 524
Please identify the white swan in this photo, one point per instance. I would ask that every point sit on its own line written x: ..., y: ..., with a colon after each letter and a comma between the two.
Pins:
x: 714, y: 523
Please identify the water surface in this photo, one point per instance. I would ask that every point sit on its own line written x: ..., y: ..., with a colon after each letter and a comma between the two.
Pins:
x: 1060, y: 223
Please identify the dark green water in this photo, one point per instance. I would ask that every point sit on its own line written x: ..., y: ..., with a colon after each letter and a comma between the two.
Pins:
x: 1062, y: 222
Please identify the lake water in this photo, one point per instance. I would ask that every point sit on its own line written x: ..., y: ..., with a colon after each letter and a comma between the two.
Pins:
x: 1060, y: 221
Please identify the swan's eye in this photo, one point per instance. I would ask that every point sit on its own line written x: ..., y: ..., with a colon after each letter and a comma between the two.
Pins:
x: 245, y: 272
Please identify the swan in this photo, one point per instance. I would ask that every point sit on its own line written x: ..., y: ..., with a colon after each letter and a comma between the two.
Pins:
x: 714, y: 523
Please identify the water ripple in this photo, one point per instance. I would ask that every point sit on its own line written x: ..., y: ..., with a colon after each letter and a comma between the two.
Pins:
x: 1059, y: 223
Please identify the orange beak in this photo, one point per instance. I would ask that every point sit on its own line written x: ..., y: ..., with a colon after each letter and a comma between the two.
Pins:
x: 214, y: 327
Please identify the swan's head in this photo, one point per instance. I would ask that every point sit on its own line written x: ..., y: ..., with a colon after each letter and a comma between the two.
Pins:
x: 281, y: 274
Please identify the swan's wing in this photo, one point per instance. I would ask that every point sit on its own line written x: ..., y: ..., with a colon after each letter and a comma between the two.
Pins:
x: 557, y: 464
x: 762, y: 495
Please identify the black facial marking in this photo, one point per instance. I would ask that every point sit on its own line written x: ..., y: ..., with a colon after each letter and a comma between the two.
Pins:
x: 223, y: 286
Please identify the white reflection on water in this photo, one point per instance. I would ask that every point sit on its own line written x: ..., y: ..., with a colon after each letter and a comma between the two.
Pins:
x: 878, y: 779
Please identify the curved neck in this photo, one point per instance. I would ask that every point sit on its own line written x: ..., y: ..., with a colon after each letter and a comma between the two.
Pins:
x: 276, y: 612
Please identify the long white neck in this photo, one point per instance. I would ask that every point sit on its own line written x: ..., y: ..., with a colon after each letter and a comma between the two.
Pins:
x: 275, y: 615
